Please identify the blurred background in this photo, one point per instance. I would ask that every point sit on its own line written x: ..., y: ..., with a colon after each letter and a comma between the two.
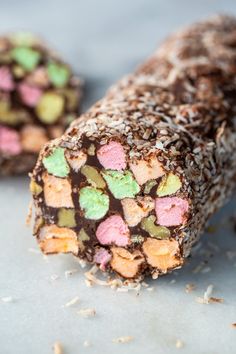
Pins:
x: 103, y: 40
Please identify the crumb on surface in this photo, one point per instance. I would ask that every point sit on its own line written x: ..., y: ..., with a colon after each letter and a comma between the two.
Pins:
x: 87, y: 312
x: 198, y: 268
x: 70, y: 272
x: 179, y: 344
x: 206, y: 270
x: 7, y: 299
x: 124, y: 339
x: 86, y: 344
x: 207, y: 298
x: 72, y: 302
x: 190, y: 287
x: 57, y: 348
x: 231, y: 255
x: 114, y: 283
x: 34, y: 250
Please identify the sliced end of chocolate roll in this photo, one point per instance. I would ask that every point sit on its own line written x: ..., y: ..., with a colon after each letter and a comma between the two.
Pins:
x: 113, y: 198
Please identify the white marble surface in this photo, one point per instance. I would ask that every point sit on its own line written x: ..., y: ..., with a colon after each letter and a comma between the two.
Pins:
x: 104, y: 40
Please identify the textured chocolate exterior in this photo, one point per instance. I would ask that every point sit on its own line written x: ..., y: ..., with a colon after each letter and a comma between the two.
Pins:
x: 32, y: 78
x: 179, y: 106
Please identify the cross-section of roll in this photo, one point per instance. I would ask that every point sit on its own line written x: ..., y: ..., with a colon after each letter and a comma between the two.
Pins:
x: 39, y: 97
x: 133, y: 182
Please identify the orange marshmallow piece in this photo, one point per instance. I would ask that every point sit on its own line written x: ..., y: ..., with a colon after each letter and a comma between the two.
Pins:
x: 162, y: 254
x: 134, y: 210
x: 55, y: 239
x: 33, y: 138
x: 144, y: 170
x: 125, y: 263
x: 57, y: 191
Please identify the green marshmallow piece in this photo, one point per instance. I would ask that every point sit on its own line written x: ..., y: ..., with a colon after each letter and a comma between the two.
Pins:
x: 93, y: 176
x: 28, y: 58
x: 56, y: 163
x: 148, y: 224
x: 149, y: 185
x: 169, y: 185
x: 50, y: 107
x: 82, y: 237
x: 66, y: 217
x: 94, y: 203
x: 35, y: 188
x: 121, y: 184
x: 58, y: 74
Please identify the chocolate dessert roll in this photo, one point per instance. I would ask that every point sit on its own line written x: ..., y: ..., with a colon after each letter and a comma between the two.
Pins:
x: 133, y: 182
x: 39, y: 97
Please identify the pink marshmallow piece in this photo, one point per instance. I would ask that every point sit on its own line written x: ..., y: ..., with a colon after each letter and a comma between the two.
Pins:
x: 9, y: 141
x: 112, y: 156
x: 113, y: 230
x: 171, y: 211
x: 102, y: 257
x: 30, y: 95
x: 6, y: 82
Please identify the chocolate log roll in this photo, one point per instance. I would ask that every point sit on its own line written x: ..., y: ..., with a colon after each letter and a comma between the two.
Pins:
x: 39, y: 97
x: 133, y: 182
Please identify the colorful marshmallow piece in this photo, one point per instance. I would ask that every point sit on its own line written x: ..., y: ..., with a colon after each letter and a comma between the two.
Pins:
x: 58, y: 74
x: 102, y: 257
x: 56, y: 163
x: 28, y: 58
x: 57, y: 191
x: 30, y: 95
x: 113, y: 230
x: 94, y: 202
x: 93, y: 176
x: 82, y: 238
x: 35, y: 188
x: 66, y: 217
x: 170, y: 184
x: 112, y: 156
x: 149, y: 185
x: 135, y: 210
x: 72, y: 97
x: 6, y: 81
x: 163, y: 254
x: 50, y: 107
x: 39, y: 77
x: 9, y: 141
x: 148, y: 224
x: 126, y: 263
x: 145, y: 170
x: 121, y: 184
x: 171, y: 211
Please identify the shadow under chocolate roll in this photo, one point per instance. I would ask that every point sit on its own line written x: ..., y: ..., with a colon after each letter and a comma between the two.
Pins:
x: 39, y: 97
x: 133, y: 182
